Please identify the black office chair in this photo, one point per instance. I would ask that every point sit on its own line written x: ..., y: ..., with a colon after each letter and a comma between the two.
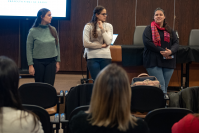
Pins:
x: 161, y: 120
x: 77, y: 96
x: 78, y: 109
x: 43, y: 116
x: 193, y: 53
x: 137, y: 40
x: 145, y: 99
x: 65, y: 123
x: 174, y: 99
x: 43, y: 95
x: 189, y: 98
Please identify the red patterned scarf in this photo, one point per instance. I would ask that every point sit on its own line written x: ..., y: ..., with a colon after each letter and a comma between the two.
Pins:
x: 156, y: 35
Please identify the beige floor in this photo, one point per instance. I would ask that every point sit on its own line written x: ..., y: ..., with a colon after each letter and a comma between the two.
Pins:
x: 62, y: 81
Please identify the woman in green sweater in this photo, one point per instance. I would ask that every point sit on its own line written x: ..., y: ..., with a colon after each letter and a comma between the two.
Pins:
x: 43, y: 51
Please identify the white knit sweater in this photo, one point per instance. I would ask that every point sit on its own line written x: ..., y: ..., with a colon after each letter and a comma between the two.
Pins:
x: 11, y: 122
x: 93, y: 46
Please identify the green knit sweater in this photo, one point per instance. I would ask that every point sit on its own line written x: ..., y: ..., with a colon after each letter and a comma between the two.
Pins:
x: 41, y: 44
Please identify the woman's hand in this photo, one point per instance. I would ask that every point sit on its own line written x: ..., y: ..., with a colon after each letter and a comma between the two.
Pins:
x: 100, y: 24
x: 31, y: 70
x: 166, y: 53
x: 57, y: 66
x: 104, y: 45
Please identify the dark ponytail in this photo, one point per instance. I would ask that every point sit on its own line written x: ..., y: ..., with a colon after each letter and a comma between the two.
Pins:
x: 53, y: 33
x: 41, y: 13
x: 97, y: 10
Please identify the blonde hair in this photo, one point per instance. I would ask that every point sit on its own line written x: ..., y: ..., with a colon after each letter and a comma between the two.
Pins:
x: 111, y: 99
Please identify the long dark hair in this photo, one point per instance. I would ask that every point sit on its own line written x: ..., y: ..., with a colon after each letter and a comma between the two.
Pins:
x: 97, y: 10
x: 165, y: 25
x: 9, y: 81
x: 41, y: 13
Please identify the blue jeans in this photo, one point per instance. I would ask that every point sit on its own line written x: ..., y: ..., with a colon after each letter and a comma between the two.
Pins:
x: 95, y: 65
x: 162, y: 74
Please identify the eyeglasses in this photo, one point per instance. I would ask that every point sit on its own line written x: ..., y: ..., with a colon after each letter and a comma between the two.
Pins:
x: 104, y: 14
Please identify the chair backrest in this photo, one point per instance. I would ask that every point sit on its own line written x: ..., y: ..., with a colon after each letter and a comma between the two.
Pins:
x: 146, y: 98
x: 174, y: 99
x: 42, y: 114
x: 74, y: 112
x: 194, y: 37
x: 137, y: 40
x: 78, y: 109
x: 41, y: 94
x: 161, y: 120
x: 77, y: 96
x: 189, y: 98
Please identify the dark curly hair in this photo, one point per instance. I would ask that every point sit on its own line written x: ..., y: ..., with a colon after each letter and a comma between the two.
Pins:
x: 97, y: 10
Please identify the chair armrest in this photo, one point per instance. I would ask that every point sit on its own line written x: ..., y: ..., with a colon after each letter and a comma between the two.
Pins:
x: 54, y: 122
x: 64, y: 121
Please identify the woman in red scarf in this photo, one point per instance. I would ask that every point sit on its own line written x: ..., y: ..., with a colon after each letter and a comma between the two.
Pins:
x: 160, y: 47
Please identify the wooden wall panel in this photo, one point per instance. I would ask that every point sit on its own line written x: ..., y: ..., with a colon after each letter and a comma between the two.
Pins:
x: 9, y: 39
x: 71, y: 35
x: 146, y: 8
x: 176, y: 76
x: 187, y: 18
x: 194, y: 74
x: 121, y: 14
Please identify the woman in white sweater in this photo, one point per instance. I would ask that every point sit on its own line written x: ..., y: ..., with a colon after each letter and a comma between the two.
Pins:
x: 97, y: 37
x: 13, y: 118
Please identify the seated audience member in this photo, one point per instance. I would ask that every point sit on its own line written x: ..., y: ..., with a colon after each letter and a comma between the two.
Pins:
x: 13, y: 118
x: 188, y: 124
x: 109, y: 110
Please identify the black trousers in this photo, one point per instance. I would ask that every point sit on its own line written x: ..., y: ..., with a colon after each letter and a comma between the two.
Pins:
x: 45, y: 70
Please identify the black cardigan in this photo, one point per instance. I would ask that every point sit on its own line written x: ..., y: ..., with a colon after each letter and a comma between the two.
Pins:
x: 151, y: 54
x: 80, y: 124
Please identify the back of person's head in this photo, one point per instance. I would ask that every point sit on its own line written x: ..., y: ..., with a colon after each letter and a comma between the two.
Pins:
x: 9, y: 81
x: 9, y: 95
x: 111, y: 99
